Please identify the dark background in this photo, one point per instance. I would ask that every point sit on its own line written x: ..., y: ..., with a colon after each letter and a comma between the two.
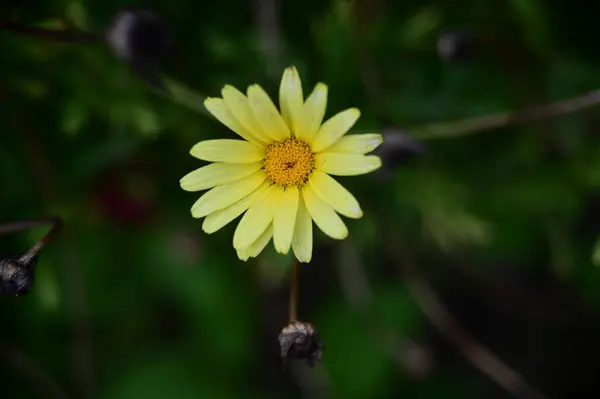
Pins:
x: 483, y: 239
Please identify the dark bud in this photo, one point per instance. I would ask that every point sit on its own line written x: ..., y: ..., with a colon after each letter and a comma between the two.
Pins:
x: 299, y: 340
x: 141, y: 39
x: 397, y: 149
x: 456, y: 45
x: 16, y: 277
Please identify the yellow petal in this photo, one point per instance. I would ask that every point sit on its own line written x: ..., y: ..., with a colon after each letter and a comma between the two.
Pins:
x: 243, y: 255
x: 346, y: 164
x: 291, y: 98
x: 323, y: 214
x: 332, y: 192
x: 222, y: 196
x: 302, y: 242
x: 332, y: 130
x: 314, y: 111
x: 227, y: 150
x: 216, y: 174
x: 239, y: 106
x: 267, y: 114
x: 257, y: 247
x: 357, y: 143
x: 257, y: 218
x: 284, y: 219
x: 218, y: 219
x: 218, y: 108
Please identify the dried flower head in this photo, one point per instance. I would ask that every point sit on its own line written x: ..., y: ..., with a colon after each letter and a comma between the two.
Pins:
x: 299, y: 340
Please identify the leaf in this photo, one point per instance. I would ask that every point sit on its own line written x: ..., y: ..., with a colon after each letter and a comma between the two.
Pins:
x: 454, y: 228
x: 146, y: 121
x: 75, y: 115
x: 47, y: 289
x: 420, y: 27
x: 596, y: 253
x: 77, y: 14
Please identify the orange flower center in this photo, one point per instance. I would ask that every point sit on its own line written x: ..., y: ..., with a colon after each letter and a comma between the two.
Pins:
x: 289, y: 163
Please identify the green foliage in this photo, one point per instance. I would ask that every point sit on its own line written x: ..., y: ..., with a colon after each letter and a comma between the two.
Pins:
x: 168, y: 311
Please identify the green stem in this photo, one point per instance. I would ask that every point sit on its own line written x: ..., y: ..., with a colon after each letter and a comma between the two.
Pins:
x: 294, y: 292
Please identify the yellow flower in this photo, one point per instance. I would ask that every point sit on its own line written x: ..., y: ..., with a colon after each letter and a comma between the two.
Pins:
x: 279, y: 175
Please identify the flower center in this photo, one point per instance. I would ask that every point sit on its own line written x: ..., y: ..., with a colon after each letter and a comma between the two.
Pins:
x: 289, y: 163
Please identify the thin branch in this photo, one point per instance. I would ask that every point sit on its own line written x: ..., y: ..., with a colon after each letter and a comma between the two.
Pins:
x: 449, y: 327
x: 183, y: 95
x: 446, y: 130
x: 55, y: 35
x: 175, y: 91
x: 13, y: 227
x: 56, y: 223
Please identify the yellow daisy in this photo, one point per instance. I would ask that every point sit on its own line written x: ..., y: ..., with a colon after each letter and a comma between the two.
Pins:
x: 278, y: 176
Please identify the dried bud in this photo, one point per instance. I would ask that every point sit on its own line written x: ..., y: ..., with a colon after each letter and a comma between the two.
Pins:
x: 17, y: 273
x: 299, y: 340
x: 141, y: 39
x: 16, y: 277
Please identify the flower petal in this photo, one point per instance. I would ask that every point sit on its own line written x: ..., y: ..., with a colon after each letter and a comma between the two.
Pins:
x: 267, y: 114
x: 285, y: 219
x: 243, y: 255
x: 332, y: 192
x: 323, y: 214
x: 314, y: 111
x: 357, y: 143
x: 302, y: 242
x: 291, y: 98
x: 257, y: 247
x: 239, y: 106
x: 216, y: 174
x: 257, y: 218
x: 346, y: 164
x: 228, y: 150
x: 218, y: 219
x: 332, y: 130
x: 222, y: 196
x: 218, y: 108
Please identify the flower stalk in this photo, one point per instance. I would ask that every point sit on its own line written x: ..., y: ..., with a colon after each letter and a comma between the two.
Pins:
x: 294, y: 291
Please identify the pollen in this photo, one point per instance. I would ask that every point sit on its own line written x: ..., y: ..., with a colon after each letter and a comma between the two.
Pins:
x: 289, y: 163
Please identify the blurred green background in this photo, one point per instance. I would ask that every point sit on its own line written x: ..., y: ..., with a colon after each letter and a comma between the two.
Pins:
x: 135, y: 301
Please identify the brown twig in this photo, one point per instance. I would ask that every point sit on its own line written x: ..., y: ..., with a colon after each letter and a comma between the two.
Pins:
x: 56, y: 223
x: 13, y: 227
x: 449, y: 327
x: 375, y: 92
x: 55, y: 35
x: 480, y: 124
